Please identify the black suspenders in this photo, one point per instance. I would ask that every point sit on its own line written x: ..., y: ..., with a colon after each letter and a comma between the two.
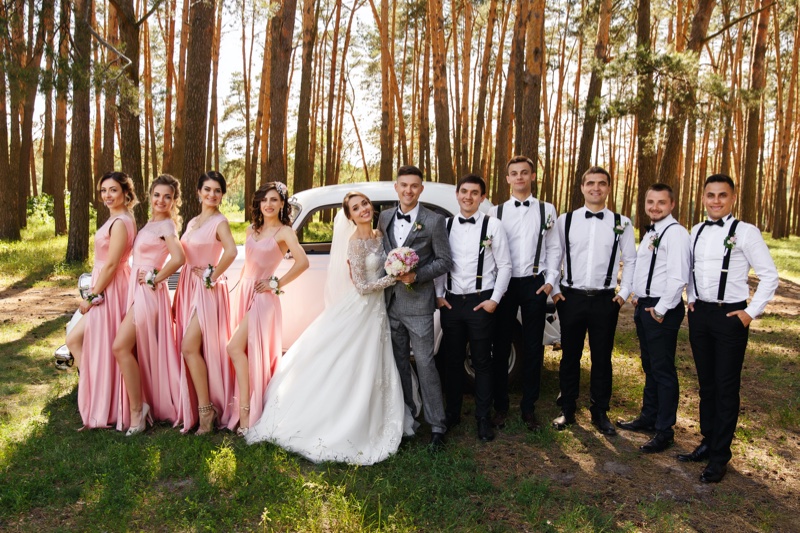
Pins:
x: 479, y: 274
x: 611, y: 261
x: 610, y: 271
x: 653, y: 259
x: 726, y: 261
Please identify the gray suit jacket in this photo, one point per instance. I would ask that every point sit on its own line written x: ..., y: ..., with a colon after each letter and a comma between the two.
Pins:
x: 433, y: 247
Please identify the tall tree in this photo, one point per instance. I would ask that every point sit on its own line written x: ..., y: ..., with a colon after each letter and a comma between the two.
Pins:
x: 592, y: 106
x: 198, y: 71
x: 645, y: 110
x: 483, y: 88
x: 780, y: 228
x: 386, y: 171
x: 303, y: 167
x: 62, y: 78
x: 80, y: 164
x: 9, y: 226
x: 532, y: 82
x: 758, y: 79
x: 282, y: 29
x: 441, y: 109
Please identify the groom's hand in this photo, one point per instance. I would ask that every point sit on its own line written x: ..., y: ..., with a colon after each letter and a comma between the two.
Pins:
x: 410, y: 277
x: 441, y: 302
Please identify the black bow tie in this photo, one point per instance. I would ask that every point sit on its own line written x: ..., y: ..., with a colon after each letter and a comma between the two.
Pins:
x: 470, y: 220
x: 720, y: 223
x: 599, y: 215
x: 401, y: 216
x: 526, y: 203
x: 651, y: 227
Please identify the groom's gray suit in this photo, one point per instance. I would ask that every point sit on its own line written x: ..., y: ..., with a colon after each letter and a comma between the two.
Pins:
x: 411, y: 311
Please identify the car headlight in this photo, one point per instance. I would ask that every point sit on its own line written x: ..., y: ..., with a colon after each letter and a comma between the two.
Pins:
x: 84, y: 285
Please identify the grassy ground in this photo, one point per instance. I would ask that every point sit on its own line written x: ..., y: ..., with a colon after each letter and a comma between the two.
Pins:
x: 54, y: 478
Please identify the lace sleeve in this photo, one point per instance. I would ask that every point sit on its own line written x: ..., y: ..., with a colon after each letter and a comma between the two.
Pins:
x: 357, y: 253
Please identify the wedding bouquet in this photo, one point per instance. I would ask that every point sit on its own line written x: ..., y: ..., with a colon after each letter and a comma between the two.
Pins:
x: 401, y: 261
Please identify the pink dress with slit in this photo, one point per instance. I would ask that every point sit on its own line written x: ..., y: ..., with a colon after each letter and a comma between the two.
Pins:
x: 212, y: 308
x: 99, y: 382
x: 158, y: 355
x: 262, y: 258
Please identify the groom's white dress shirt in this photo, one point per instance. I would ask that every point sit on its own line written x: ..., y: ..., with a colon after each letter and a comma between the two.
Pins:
x: 401, y: 227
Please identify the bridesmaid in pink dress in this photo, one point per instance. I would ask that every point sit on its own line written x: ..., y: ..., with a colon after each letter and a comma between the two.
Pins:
x: 151, y: 387
x: 202, y: 316
x: 104, y: 308
x: 256, y: 345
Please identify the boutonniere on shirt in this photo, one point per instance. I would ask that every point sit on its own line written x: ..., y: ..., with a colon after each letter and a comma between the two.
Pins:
x: 730, y: 242
x: 486, y: 243
x: 418, y: 226
x: 655, y: 240
x: 548, y: 223
x: 619, y: 229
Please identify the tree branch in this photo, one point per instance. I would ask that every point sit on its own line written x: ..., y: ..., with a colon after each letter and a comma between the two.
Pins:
x: 156, y: 5
x: 738, y: 20
x: 111, y: 47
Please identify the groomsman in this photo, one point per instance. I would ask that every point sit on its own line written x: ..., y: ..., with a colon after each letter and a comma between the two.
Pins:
x: 594, y: 240
x: 468, y: 296
x: 534, y: 251
x: 723, y: 251
x: 662, y: 272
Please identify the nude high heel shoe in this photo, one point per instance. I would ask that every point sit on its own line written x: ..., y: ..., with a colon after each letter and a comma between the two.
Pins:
x: 204, y: 411
x: 145, y: 419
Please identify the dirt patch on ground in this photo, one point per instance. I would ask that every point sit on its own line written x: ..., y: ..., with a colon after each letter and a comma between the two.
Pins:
x: 36, y: 304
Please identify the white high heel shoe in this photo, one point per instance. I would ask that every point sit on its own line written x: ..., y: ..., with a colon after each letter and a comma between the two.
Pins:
x: 146, y: 418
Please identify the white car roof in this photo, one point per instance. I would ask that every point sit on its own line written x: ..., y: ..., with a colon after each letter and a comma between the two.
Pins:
x: 440, y: 194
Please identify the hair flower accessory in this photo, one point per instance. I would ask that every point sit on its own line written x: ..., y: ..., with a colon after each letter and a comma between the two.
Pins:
x: 150, y: 278
x: 730, y: 242
x: 207, y: 273
x: 619, y: 229
x: 282, y: 189
x: 274, y: 285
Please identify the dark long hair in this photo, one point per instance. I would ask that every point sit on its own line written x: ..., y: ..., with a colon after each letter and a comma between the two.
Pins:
x: 257, y: 217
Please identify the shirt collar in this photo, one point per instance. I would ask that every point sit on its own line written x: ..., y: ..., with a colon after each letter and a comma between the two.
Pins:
x: 666, y: 221
x: 413, y: 213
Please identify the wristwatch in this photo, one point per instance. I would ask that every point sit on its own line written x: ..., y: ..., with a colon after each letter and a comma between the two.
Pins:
x: 658, y: 315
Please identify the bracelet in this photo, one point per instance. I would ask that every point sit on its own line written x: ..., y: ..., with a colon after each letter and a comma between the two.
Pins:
x: 94, y: 299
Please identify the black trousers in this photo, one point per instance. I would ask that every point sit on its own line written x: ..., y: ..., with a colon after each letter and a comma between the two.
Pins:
x: 597, y: 315
x: 718, y: 345
x: 461, y: 325
x: 521, y: 294
x: 657, y: 343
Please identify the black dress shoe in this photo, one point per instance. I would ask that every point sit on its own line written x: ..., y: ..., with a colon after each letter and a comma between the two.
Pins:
x: 603, y: 424
x: 698, y: 455
x: 637, y: 424
x: 531, y: 421
x: 451, y: 421
x: 713, y: 473
x: 499, y: 419
x: 658, y: 443
x: 437, y: 442
x: 485, y: 433
x: 563, y: 420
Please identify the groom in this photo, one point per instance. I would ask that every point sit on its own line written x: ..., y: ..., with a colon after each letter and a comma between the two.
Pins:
x: 411, y: 310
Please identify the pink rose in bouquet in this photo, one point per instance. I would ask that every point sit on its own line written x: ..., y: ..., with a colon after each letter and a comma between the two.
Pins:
x: 401, y: 261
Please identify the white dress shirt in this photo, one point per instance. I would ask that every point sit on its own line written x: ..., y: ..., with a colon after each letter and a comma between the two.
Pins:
x: 591, y: 240
x: 465, y: 247
x: 522, y: 225
x: 402, y: 228
x: 672, y: 264
x: 750, y: 250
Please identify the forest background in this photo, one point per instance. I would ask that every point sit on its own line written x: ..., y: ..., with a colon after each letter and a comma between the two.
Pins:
x: 316, y: 92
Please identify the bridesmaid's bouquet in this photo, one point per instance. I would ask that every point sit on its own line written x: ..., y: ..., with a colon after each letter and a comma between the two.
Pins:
x: 401, y: 261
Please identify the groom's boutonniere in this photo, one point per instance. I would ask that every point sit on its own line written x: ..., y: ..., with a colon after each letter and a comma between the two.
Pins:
x: 730, y: 242
x: 619, y: 229
x: 486, y: 243
x: 418, y: 226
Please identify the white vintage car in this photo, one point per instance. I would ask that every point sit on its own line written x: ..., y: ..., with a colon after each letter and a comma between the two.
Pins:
x: 313, y: 212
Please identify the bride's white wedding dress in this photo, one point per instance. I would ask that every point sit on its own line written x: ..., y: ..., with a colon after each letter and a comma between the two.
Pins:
x: 336, y: 395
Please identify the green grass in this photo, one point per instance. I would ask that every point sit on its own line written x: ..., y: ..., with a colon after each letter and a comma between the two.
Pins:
x: 786, y: 254
x: 54, y: 478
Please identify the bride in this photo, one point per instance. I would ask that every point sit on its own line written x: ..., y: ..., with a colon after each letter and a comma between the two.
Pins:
x: 336, y: 395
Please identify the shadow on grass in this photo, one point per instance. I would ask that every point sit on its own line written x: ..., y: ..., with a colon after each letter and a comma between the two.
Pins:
x: 17, y: 366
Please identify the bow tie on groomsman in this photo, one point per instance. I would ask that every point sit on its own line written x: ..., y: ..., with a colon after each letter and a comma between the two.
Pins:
x: 599, y: 214
x: 720, y: 223
x: 401, y: 216
x: 526, y: 203
x: 649, y: 228
x: 470, y: 220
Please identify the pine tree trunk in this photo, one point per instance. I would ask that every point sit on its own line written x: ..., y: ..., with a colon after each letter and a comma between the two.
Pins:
x: 9, y: 229
x: 480, y: 119
x: 282, y: 28
x: 532, y: 83
x: 440, y: 106
x: 645, y: 111
x: 80, y: 164
x: 303, y: 166
x: 60, y: 132
x: 780, y: 229
x: 386, y: 171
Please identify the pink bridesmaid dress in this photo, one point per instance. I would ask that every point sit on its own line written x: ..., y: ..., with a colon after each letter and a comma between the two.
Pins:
x: 156, y: 351
x: 212, y: 308
x: 262, y: 258
x: 100, y: 380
